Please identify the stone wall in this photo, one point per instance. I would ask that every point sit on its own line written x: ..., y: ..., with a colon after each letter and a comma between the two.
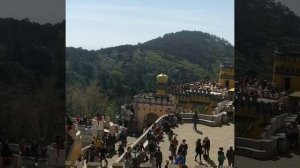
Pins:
x: 210, y: 120
x: 259, y: 149
x: 275, y: 124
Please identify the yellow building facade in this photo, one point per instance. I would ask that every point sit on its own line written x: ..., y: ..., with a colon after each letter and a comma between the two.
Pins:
x: 226, y: 76
x: 286, y: 69
x: 148, y: 107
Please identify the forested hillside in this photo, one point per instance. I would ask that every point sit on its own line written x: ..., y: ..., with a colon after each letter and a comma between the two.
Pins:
x: 123, y: 71
x: 32, y: 87
x: 260, y: 25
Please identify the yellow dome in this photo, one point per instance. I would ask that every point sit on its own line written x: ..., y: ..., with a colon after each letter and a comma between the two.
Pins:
x: 162, y: 78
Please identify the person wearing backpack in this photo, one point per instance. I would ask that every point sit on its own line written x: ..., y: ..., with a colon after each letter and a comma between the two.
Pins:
x: 183, y: 150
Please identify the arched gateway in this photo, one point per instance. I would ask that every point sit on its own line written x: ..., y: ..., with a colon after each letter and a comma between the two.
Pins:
x: 148, y: 107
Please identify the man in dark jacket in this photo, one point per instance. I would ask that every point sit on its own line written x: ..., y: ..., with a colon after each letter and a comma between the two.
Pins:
x: 183, y: 150
x: 158, y: 157
x: 195, y: 121
x: 230, y: 156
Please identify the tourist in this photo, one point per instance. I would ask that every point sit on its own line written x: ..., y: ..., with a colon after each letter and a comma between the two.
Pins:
x: 158, y: 158
x: 221, y: 157
x: 91, y: 153
x: 68, y: 120
x: 167, y: 164
x: 79, y: 162
x: 143, y: 156
x: 230, y: 156
x: 109, y: 144
x: 198, y: 150
x: 152, y: 147
x: 93, y: 141
x: 98, y: 145
x: 170, y: 163
x: 295, y: 134
x: 102, y: 153
x: 120, y: 150
x: 34, y: 150
x: 128, y: 152
x: 141, y: 146
x: 8, y: 164
x: 22, y: 147
x: 6, y: 152
x: 58, y: 146
x: 78, y: 119
x: 173, y: 147
x: 183, y: 150
x: 100, y: 126
x: 114, y: 141
x: 195, y: 121
x: 123, y: 136
x: 206, y: 146
x: 298, y: 119
x: 179, y: 160
x: 179, y: 118
x: 127, y: 162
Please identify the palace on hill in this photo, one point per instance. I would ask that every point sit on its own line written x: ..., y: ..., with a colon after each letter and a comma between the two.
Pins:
x: 146, y: 108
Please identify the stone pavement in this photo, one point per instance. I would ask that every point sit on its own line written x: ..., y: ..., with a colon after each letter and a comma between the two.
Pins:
x: 290, y: 160
x: 219, y: 137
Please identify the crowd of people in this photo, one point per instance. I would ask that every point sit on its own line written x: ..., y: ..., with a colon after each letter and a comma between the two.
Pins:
x: 209, y: 86
x: 31, y: 150
x: 100, y: 149
x: 258, y: 88
x: 104, y: 145
x: 150, y: 150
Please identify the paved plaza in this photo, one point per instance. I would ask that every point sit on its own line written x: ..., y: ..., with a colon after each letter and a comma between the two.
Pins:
x: 219, y: 137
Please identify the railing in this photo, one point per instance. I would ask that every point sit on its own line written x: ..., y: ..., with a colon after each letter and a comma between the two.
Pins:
x: 141, y: 139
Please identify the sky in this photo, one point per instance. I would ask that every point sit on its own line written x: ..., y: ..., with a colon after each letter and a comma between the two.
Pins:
x: 96, y: 24
x: 40, y: 11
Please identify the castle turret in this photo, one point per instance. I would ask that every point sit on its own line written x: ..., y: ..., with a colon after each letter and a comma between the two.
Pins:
x: 161, y: 84
x: 226, y: 76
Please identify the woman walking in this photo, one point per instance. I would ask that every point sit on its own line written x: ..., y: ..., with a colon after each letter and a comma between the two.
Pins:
x: 221, y: 157
x: 206, y: 145
x: 198, y: 150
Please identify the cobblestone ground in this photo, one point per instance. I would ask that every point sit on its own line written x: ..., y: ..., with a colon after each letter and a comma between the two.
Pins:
x: 289, y: 160
x: 219, y: 137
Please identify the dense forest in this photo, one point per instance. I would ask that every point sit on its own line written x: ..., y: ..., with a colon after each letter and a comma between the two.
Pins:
x: 32, y: 87
x: 118, y: 73
x: 261, y: 25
